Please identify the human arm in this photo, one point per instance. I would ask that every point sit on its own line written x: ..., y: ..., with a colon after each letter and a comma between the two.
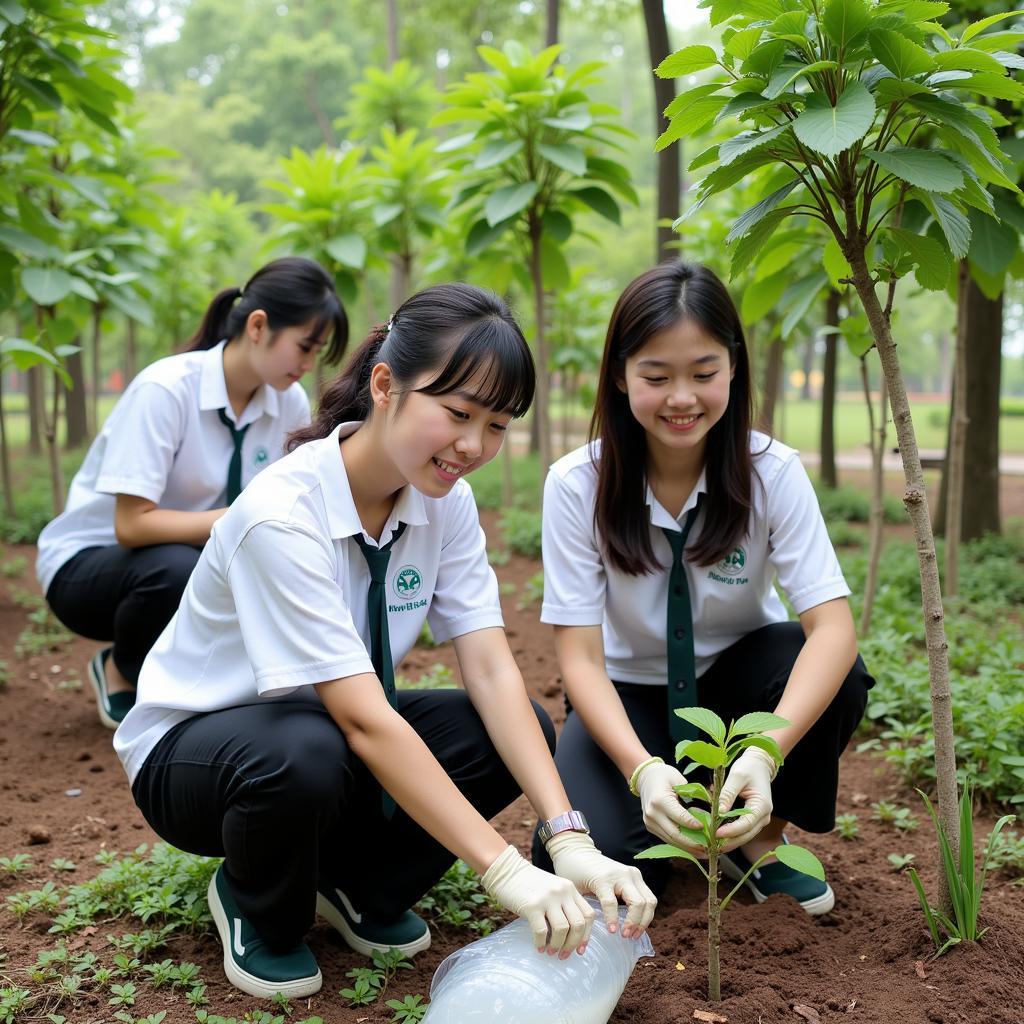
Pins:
x: 139, y: 522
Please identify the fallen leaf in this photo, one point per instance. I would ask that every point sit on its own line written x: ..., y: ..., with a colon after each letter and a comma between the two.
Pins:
x: 853, y: 1003
x: 680, y: 966
x: 712, y: 1018
x: 919, y: 969
x: 859, y: 799
x: 807, y: 1012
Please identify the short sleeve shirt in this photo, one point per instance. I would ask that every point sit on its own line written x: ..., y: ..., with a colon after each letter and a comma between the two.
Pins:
x: 164, y: 441
x: 277, y: 602
x: 786, y: 543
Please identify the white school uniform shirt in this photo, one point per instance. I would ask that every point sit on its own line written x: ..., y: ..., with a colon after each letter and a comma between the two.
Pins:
x: 164, y: 441
x: 786, y: 541
x: 277, y: 601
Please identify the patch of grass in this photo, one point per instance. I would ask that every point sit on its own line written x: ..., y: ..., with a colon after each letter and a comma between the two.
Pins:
x: 521, y: 529
x: 853, y: 505
x: 13, y: 567
x: 438, y: 678
x: 526, y: 482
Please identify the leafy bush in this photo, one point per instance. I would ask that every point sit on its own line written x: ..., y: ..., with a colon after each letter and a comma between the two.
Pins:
x: 487, y: 482
x: 852, y: 505
x: 521, y: 529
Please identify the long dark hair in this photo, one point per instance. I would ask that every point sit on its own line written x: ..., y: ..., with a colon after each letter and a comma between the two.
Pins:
x: 291, y: 291
x: 654, y: 301
x: 465, y: 336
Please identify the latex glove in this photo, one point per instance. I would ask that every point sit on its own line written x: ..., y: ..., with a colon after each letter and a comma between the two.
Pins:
x: 750, y: 778
x: 559, y: 917
x: 663, y: 810
x: 575, y: 857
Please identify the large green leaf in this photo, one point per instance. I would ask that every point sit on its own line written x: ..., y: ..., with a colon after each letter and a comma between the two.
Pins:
x: 925, y: 168
x: 844, y: 20
x: 32, y: 138
x: 760, y: 297
x: 759, y: 210
x: 902, y: 57
x: 757, y: 721
x: 990, y: 86
x: 705, y: 720
x: 483, y: 235
x: 979, y: 26
x: 706, y: 754
x: 509, y: 200
x: 930, y: 256
x: 130, y: 303
x: 349, y: 250
x: 558, y: 225
x: 753, y: 241
x: 42, y: 92
x: 765, y: 743
x: 746, y: 142
x: 599, y: 201
x: 799, y: 859
x: 12, y: 12
x: 955, y: 225
x: 796, y: 301
x: 664, y: 852
x: 691, y: 120
x: 497, y: 151
x: 830, y: 130
x: 686, y: 61
x: 967, y: 60
x: 782, y: 80
x: 570, y: 121
x: 993, y: 245
x: 46, y: 286
x: 553, y: 265
x: 836, y: 266
x: 14, y: 238
x: 564, y: 155
x: 693, y: 791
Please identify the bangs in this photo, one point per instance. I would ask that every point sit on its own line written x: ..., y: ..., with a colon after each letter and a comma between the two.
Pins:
x: 491, y: 364
x: 331, y: 317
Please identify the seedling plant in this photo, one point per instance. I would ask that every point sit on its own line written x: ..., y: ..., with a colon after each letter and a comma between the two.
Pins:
x: 717, y: 756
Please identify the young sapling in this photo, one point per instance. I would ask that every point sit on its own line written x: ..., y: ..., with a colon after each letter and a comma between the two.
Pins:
x: 725, y: 746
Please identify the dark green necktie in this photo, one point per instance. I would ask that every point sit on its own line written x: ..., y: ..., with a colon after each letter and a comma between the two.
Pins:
x: 380, y: 640
x: 235, y: 466
x: 682, y: 673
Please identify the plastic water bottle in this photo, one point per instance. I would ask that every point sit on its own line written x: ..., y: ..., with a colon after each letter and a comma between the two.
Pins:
x: 502, y: 979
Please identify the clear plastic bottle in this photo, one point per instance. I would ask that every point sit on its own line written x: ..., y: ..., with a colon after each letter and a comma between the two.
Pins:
x: 502, y: 979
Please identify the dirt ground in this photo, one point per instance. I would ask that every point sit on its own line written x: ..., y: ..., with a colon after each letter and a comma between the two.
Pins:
x: 864, y: 962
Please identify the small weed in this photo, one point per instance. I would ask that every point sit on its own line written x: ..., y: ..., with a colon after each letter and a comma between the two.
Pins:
x: 43, y: 632
x: 13, y: 567
x: 369, y: 983
x: 16, y: 864
x: 498, y: 556
x: 439, y: 677
x: 521, y: 529
x: 533, y: 591
x: 507, y: 588
x: 457, y: 899
x: 1008, y: 853
x: 899, y: 861
x: 894, y: 816
x: 283, y: 1003
x: 847, y: 825
x: 62, y: 864
x: 122, y: 995
x: 409, y: 1008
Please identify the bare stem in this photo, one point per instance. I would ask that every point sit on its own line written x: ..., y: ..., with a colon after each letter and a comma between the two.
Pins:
x: 714, y: 906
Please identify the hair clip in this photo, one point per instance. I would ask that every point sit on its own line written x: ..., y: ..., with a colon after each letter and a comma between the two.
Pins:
x: 391, y: 323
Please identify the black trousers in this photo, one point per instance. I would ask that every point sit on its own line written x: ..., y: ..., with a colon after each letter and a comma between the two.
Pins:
x: 275, y: 790
x: 749, y: 676
x: 122, y: 594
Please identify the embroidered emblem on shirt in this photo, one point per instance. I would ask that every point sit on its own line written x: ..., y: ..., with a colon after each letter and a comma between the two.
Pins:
x: 732, y: 565
x: 407, y: 582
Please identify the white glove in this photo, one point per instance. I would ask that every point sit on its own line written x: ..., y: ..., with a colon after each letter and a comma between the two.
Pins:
x: 575, y: 857
x: 663, y: 810
x: 548, y: 903
x: 750, y: 778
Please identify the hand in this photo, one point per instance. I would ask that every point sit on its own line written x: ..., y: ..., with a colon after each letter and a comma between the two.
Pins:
x: 576, y: 858
x: 750, y: 778
x: 663, y: 811
x: 559, y: 917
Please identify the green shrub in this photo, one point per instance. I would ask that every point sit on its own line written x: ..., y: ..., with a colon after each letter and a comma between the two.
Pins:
x: 521, y: 529
x: 852, y: 505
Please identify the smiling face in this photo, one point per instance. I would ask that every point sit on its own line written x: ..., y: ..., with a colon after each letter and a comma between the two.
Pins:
x: 677, y: 384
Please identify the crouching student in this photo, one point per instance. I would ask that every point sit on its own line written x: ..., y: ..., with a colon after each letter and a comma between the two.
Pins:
x: 185, y: 437
x: 662, y: 541
x: 268, y: 729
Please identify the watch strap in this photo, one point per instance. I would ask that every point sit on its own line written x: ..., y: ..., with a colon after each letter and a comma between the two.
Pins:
x: 570, y: 821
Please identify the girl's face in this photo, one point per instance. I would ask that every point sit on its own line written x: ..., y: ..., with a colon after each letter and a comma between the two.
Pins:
x: 678, y: 386
x: 281, y: 358
x: 434, y: 440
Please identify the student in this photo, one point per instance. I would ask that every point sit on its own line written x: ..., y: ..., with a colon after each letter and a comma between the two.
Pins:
x: 268, y: 729
x: 188, y: 433
x: 643, y: 627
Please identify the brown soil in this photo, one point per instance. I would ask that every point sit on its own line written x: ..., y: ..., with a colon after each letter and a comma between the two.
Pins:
x: 865, y: 962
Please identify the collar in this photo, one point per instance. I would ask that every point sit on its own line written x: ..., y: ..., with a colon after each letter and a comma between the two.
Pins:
x: 660, y: 516
x: 342, y: 517
x: 213, y: 391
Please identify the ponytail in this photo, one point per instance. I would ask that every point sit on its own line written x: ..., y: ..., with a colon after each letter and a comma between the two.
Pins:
x: 347, y: 397
x: 215, y: 320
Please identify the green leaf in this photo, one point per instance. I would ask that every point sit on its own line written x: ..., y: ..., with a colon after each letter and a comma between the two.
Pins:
x: 685, y: 100
x: 925, y: 168
x: 509, y: 200
x: 21, y: 241
x: 844, y: 20
x: 765, y: 743
x: 746, y: 142
x: 46, y: 286
x: 564, y: 155
x: 753, y: 241
x: 830, y: 130
x: 693, y: 791
x: 497, y: 151
x: 760, y: 297
x: 33, y: 138
x: 686, y: 61
x: 664, y: 852
x: 990, y: 86
x: 349, y: 250
x: 692, y: 120
x: 705, y: 754
x: 456, y: 142
x: 993, y: 245
x: 979, y: 26
x: 131, y: 305
x: 705, y: 720
x: 482, y: 235
x: 955, y: 226
x: 742, y: 42
x: 799, y: 859
x: 557, y: 225
x: 82, y: 287
x: 599, y: 201
x: 385, y: 213
x: 570, y: 121
x: 789, y: 73
x: 757, y: 721
x: 796, y: 301
x: 835, y: 263
x: 12, y: 12
x: 553, y: 266
x: 930, y: 256
x: 967, y: 60
x: 41, y: 92
x: 759, y: 210
x: 902, y: 57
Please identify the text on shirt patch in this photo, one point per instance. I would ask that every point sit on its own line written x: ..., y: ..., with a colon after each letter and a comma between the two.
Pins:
x: 732, y: 565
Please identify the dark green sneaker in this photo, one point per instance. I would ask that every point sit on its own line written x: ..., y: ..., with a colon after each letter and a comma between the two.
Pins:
x: 366, y: 932
x: 248, y: 962
x: 111, y: 706
x: 814, y: 896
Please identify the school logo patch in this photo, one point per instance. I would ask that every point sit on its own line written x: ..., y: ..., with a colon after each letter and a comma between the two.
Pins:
x: 408, y: 582
x: 261, y: 457
x: 732, y: 564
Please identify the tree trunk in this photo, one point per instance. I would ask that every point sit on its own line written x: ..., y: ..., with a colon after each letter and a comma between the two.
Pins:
x: 75, y: 418
x: 36, y: 412
x: 983, y: 331
x: 916, y: 501
x: 97, y: 365
x: 5, y: 457
x: 771, y: 385
x: 551, y: 29
x: 50, y: 424
x: 827, y: 468
x: 808, y: 367
x: 876, y: 443
x: 954, y: 468
x: 131, y: 353
x: 541, y: 404
x: 401, y: 279
x: 392, y: 8
x: 670, y: 158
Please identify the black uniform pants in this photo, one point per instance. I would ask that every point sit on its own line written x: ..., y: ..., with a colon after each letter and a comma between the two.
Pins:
x: 126, y: 595
x: 749, y: 676
x: 275, y: 789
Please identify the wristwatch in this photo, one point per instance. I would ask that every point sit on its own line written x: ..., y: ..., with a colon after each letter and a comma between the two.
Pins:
x: 571, y: 821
